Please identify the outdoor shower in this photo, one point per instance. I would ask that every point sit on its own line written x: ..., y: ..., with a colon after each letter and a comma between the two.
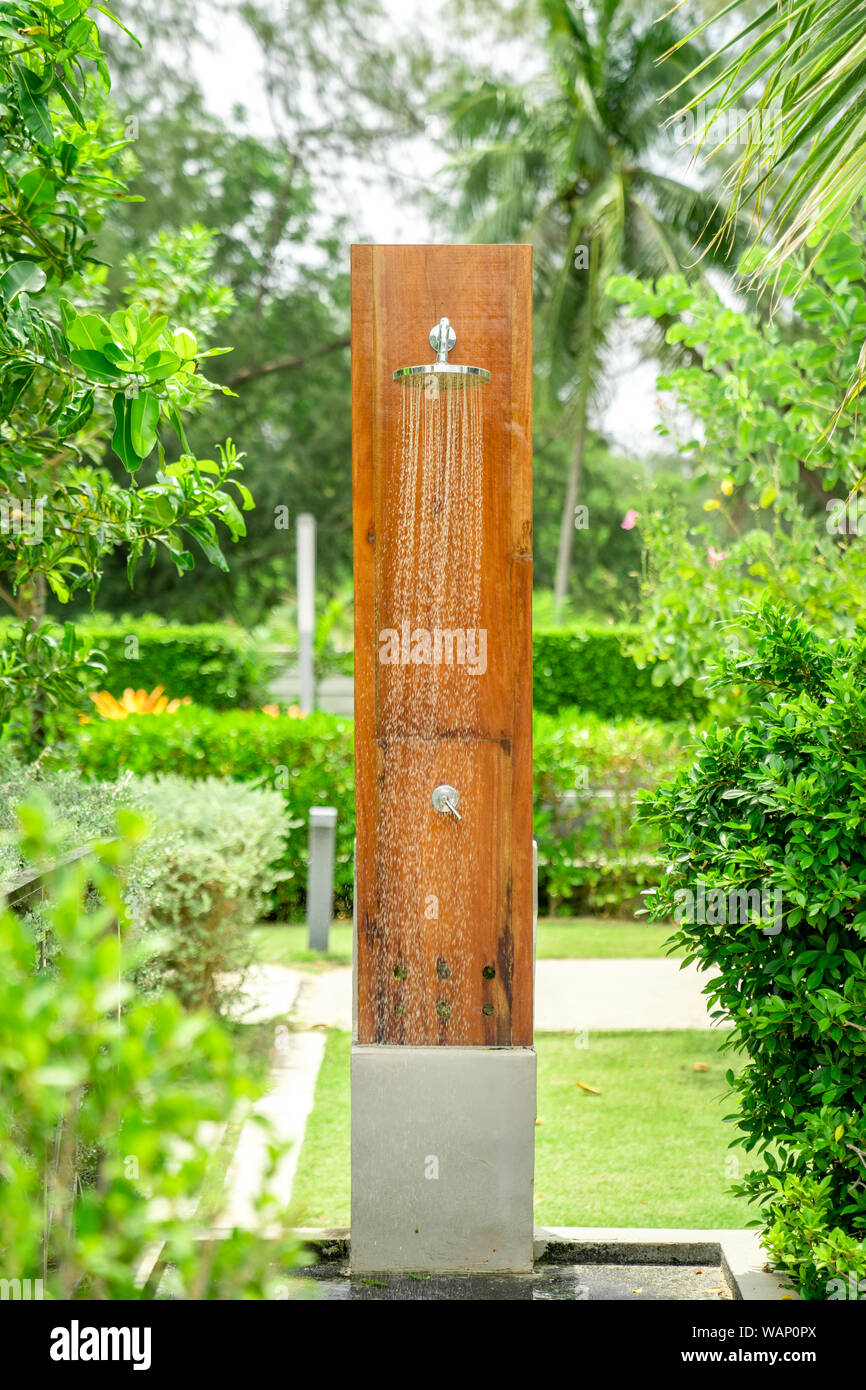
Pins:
x: 443, y: 1070
x: 440, y: 373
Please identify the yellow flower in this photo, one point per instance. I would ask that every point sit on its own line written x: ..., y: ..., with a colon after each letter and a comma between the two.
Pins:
x: 137, y: 702
x: 728, y: 486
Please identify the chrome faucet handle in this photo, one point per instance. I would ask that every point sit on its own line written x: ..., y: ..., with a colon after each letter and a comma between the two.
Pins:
x: 445, y: 799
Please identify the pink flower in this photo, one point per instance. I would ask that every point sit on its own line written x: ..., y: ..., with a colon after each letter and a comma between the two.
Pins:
x: 629, y: 520
x: 714, y: 556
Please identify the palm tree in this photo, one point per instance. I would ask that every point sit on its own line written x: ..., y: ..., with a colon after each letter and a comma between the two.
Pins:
x: 579, y: 161
x: 790, y: 89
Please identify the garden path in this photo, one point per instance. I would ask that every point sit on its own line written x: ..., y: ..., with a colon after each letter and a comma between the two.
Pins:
x: 571, y: 995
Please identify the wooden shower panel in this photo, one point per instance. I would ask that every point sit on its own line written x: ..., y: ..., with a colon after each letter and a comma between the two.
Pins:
x: 462, y: 974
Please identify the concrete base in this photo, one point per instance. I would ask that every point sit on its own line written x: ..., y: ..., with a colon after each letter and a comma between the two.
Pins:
x: 739, y: 1255
x: 443, y: 1148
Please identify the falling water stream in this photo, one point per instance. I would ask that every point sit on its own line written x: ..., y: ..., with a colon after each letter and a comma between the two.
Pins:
x: 430, y: 708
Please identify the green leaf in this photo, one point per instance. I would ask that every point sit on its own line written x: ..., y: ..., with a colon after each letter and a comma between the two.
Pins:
x: 70, y: 103
x: 132, y: 560
x: 174, y: 416
x: 33, y: 107
x: 184, y: 343
x: 121, y: 440
x: 76, y: 414
x: 95, y: 364
x: 143, y: 422
x: 231, y: 516
x: 36, y: 186
x: 87, y: 330
x: 160, y: 508
x: 159, y: 365
x: 21, y: 276
x: 205, y: 533
x: 110, y: 15
x: 58, y: 586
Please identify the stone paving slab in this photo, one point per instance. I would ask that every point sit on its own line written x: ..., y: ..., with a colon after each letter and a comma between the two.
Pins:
x: 618, y: 994
x: 287, y: 1105
x: 570, y: 995
x: 270, y: 991
x: 548, y: 1283
x: 738, y: 1254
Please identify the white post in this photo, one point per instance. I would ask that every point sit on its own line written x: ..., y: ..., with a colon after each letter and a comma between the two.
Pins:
x: 320, y: 876
x: 306, y: 541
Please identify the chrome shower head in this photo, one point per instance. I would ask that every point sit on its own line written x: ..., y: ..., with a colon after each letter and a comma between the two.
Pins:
x: 442, y: 372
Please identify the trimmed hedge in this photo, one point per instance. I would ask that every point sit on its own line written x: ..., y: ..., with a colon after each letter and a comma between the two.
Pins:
x: 310, y: 761
x: 593, y: 853
x: 214, y: 663
x: 584, y: 666
x: 587, y: 667
x: 592, y: 856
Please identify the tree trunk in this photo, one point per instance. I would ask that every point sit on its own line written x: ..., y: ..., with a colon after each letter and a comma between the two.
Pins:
x: 566, y: 526
x: 575, y: 472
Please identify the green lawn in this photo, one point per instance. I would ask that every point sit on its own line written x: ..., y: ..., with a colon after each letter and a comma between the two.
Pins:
x: 288, y: 945
x: 559, y: 938
x: 650, y: 1150
x: 594, y: 938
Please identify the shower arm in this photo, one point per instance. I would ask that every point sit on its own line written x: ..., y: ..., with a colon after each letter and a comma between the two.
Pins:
x: 442, y: 339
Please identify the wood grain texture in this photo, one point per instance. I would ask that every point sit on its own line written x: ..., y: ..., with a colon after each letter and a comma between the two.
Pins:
x: 464, y: 975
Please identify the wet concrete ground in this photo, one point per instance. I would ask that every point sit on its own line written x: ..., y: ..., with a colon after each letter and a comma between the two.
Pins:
x: 563, y: 1283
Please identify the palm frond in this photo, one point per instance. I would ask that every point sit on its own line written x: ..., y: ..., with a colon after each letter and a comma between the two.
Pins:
x: 796, y: 88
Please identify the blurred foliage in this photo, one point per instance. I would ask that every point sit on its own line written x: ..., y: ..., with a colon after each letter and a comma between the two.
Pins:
x: 593, y: 855
x: 338, y: 87
x: 216, y: 663
x: 578, y: 160
x: 309, y: 761
x: 81, y: 811
x: 108, y: 1102
x: 195, y: 880
x: 788, y: 89
x: 784, y: 468
x: 200, y: 880
x: 77, y: 382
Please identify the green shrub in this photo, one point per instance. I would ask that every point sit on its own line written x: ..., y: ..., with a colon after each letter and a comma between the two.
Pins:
x: 104, y: 1103
x: 309, y: 761
x: 196, y: 882
x: 201, y: 878
x: 587, y: 666
x: 777, y: 805
x: 591, y: 855
x: 213, y: 663
x: 823, y: 1261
